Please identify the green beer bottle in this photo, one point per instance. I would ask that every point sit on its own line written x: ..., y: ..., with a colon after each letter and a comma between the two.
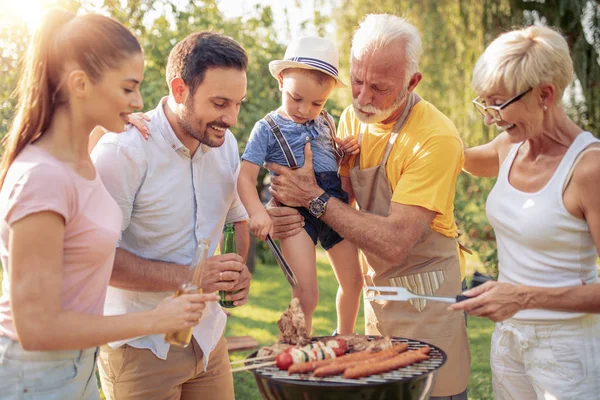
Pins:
x: 228, y: 247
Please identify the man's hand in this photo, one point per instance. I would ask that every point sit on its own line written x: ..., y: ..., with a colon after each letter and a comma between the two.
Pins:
x: 295, y: 187
x: 223, y: 272
x: 493, y: 300
x: 260, y: 224
x: 287, y: 221
x: 349, y: 147
x: 240, y: 298
x: 139, y: 120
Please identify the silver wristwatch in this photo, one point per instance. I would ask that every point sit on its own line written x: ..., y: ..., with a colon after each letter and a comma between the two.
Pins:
x: 318, y: 205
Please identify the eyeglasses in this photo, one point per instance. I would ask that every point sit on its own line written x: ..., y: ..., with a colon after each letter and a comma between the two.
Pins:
x: 495, y: 111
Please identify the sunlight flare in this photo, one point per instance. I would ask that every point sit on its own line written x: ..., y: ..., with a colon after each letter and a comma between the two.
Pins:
x: 29, y: 11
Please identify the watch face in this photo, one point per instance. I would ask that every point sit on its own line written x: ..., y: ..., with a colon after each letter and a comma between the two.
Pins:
x: 316, y: 207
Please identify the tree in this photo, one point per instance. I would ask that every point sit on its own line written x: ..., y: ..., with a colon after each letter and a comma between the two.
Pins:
x: 579, y: 22
x: 15, y: 36
x: 13, y: 42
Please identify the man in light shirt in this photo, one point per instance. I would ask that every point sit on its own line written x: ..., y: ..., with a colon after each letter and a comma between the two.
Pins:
x: 175, y: 188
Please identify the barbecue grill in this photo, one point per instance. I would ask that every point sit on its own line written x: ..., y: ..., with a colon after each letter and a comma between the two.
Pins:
x: 407, y: 383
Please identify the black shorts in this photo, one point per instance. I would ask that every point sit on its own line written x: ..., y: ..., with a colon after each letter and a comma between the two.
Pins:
x: 318, y: 230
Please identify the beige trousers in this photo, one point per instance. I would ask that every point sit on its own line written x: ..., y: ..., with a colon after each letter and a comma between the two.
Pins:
x: 128, y: 373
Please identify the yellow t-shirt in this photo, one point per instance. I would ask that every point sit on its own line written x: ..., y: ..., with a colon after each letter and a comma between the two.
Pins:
x: 423, y: 165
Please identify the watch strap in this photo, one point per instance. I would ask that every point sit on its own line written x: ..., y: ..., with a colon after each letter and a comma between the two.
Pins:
x: 324, y: 197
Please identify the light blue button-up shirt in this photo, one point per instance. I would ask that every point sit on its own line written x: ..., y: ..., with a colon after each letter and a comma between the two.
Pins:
x: 170, y: 201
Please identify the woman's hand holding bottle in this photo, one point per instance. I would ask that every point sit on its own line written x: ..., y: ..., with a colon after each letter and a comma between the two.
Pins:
x: 178, y: 313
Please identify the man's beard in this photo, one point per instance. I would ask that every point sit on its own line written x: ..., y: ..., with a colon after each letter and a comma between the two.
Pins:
x: 377, y: 114
x: 197, y: 129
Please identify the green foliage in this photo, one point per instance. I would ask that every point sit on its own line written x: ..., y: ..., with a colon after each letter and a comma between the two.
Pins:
x: 14, y: 39
x: 13, y: 43
x: 255, y: 32
x: 478, y: 236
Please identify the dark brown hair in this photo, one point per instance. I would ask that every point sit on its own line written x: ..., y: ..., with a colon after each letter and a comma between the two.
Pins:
x: 200, y: 51
x: 92, y: 42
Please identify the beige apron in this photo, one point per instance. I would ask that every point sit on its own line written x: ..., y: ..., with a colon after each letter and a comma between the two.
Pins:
x: 432, y: 268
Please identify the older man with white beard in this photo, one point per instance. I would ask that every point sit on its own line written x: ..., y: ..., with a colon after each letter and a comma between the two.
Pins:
x: 404, y: 183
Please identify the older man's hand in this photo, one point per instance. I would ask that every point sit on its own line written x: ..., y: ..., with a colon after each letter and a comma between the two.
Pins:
x: 493, y: 300
x: 223, y: 272
x: 295, y: 187
x: 287, y: 221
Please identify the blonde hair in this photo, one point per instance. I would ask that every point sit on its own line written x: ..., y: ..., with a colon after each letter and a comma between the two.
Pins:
x: 93, y: 42
x: 523, y: 59
x: 377, y: 31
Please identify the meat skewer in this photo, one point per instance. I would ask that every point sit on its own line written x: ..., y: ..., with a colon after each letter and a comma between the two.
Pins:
x: 247, y: 360
x: 253, y: 366
x: 312, y: 352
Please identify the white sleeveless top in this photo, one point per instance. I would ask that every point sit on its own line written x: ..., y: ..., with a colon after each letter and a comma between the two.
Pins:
x: 539, y: 242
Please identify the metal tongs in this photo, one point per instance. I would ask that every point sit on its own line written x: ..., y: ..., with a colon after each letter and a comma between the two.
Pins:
x: 403, y: 294
x: 287, y: 271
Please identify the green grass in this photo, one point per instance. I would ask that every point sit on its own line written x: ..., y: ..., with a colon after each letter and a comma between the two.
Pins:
x: 270, y: 295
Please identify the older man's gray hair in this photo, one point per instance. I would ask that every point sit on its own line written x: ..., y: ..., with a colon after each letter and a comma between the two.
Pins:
x: 377, y: 31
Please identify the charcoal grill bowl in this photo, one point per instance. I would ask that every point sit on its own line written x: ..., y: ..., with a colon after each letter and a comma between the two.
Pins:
x: 413, y: 388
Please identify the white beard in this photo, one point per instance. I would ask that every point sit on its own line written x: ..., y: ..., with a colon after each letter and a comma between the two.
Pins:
x: 377, y: 115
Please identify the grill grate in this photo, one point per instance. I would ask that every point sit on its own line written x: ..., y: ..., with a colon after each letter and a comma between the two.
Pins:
x: 436, y: 360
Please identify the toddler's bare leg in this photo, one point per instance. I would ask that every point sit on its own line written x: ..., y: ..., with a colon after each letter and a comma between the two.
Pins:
x: 299, y: 252
x: 344, y: 260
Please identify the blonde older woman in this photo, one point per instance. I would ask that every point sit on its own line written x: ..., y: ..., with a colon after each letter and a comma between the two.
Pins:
x: 545, y: 211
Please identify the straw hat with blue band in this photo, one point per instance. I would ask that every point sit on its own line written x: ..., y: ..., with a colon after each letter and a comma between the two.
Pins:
x: 310, y: 52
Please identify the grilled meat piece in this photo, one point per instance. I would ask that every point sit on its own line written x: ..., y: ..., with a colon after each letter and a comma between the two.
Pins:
x: 273, y: 350
x: 293, y: 326
x: 362, y: 343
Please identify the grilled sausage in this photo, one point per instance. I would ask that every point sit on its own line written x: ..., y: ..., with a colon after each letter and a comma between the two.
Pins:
x: 338, y: 368
x: 399, y: 361
x: 310, y: 366
x: 340, y: 365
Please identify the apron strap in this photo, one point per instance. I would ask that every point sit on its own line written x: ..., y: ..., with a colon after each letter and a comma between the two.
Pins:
x: 283, y: 143
x: 412, y: 100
